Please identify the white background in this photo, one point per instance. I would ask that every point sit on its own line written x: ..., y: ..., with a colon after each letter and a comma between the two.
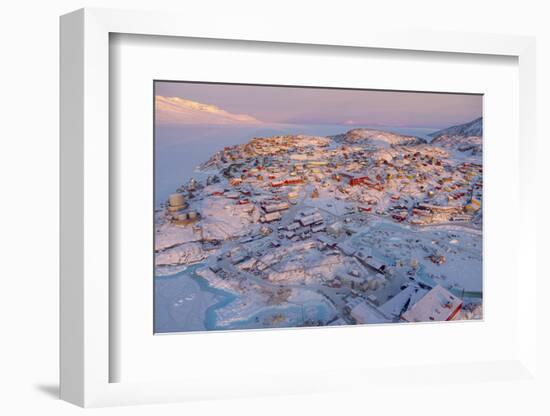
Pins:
x: 29, y: 172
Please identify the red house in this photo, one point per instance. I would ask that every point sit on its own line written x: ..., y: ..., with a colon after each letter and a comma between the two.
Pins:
x: 292, y: 181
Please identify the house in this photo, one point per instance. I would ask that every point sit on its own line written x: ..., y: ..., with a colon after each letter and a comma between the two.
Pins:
x: 437, y: 305
x: 363, y: 313
x: 318, y: 228
x: 352, y: 282
x: 272, y: 216
x: 370, y: 261
x: 293, y: 181
x: 325, y: 241
x: 232, y: 195
x: 292, y: 226
x: 311, y: 219
x: 239, y: 257
x: 355, y: 178
x: 276, y: 207
x: 347, y: 249
x: 308, y: 212
x: 358, y: 180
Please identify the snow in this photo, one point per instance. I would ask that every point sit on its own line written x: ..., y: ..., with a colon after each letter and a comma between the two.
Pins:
x: 378, y: 138
x: 472, y: 128
x: 188, y: 253
x: 168, y: 235
x: 281, y: 273
x: 395, y: 305
x: 363, y: 313
x: 437, y: 305
x: 464, y: 138
x: 222, y: 221
x: 463, y: 266
x: 180, y: 304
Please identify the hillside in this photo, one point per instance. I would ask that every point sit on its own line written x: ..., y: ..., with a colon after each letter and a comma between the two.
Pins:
x: 472, y: 128
x: 464, y: 138
x: 378, y: 138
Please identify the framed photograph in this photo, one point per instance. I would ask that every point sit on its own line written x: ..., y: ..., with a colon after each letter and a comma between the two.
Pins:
x: 285, y: 212
x: 300, y: 216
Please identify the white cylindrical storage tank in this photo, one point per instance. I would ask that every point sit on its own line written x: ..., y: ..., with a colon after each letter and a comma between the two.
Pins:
x: 192, y: 215
x: 176, y: 200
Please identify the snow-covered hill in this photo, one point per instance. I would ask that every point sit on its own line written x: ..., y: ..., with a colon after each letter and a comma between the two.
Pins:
x: 472, y: 128
x: 464, y: 138
x: 460, y: 143
x: 378, y: 138
x: 177, y: 110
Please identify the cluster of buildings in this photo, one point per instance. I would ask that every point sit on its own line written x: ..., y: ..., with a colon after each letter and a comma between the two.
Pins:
x: 407, y: 184
x: 304, y: 197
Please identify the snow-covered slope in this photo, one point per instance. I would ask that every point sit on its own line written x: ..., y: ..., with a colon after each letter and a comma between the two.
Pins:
x: 472, y: 128
x: 378, y: 138
x: 178, y: 110
x: 460, y: 143
x: 466, y: 137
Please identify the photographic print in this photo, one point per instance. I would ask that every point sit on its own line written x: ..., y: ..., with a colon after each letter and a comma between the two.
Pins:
x: 285, y: 206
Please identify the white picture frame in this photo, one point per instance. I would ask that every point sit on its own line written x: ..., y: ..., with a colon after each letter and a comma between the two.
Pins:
x: 86, y: 355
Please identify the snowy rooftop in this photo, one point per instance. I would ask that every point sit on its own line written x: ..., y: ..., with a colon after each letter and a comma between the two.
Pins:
x: 363, y: 313
x: 438, y: 305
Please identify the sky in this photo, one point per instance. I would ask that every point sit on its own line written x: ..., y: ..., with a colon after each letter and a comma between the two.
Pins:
x: 228, y: 104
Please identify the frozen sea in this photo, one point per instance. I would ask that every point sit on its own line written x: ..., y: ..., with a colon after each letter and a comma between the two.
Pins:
x: 180, y: 149
x: 186, y: 302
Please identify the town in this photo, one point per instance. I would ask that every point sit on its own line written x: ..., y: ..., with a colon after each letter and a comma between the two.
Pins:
x: 364, y: 227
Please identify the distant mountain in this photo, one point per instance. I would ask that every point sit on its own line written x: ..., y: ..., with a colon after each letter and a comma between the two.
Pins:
x: 378, y: 138
x: 464, y: 138
x: 177, y: 110
x: 472, y: 128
